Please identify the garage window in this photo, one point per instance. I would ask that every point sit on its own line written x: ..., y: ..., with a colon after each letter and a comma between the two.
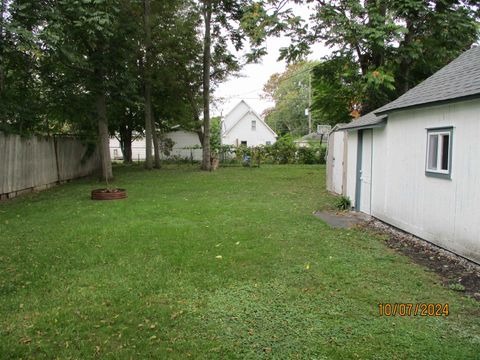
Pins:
x: 439, y: 152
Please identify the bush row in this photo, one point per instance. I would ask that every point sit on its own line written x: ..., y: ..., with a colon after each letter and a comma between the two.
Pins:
x: 284, y: 151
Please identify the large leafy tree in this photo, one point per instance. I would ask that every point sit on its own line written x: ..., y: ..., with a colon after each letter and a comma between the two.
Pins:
x: 221, y: 26
x: 82, y: 66
x: 21, y: 97
x: 382, y: 48
x: 290, y: 91
x: 159, y: 77
x: 176, y: 65
x: 229, y: 25
x: 82, y: 39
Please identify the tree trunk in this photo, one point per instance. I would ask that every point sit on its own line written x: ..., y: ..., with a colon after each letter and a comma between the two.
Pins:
x: 156, y: 146
x: 377, y: 11
x: 200, y: 136
x: 196, y: 116
x: 103, y: 136
x: 2, y: 45
x: 126, y: 144
x: 207, y: 15
x: 148, y: 86
x: 402, y: 80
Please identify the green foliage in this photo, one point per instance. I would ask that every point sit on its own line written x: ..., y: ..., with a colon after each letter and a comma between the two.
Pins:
x: 343, y: 203
x: 215, y: 135
x: 456, y: 287
x: 382, y: 49
x: 309, y: 155
x: 166, y: 145
x: 259, y: 155
x: 283, y: 150
x: 290, y: 92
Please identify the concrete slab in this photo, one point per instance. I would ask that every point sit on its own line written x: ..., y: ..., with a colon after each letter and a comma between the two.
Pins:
x: 342, y: 220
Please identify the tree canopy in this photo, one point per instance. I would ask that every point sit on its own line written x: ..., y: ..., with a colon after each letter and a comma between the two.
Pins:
x: 290, y: 92
x: 380, y: 49
x: 97, y: 68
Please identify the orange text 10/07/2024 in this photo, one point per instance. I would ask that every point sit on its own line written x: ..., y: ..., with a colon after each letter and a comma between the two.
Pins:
x: 411, y: 309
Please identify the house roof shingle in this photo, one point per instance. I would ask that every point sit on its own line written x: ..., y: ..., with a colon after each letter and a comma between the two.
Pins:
x: 366, y: 121
x: 459, y: 79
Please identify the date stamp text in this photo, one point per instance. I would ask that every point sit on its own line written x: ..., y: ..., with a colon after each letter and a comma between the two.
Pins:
x: 411, y: 309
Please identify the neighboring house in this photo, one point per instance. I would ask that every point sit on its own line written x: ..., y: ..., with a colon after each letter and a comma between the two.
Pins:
x: 138, y: 149
x: 415, y: 162
x: 243, y: 126
x: 186, y: 146
x: 320, y: 136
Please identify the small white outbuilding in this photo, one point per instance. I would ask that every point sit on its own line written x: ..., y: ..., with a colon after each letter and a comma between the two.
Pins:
x: 243, y: 126
x: 415, y: 162
x: 186, y: 145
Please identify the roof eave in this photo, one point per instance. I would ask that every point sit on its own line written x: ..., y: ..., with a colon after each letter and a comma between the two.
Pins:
x: 380, y: 124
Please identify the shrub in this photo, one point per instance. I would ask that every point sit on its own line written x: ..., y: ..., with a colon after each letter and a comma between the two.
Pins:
x: 323, y: 154
x: 457, y: 287
x: 243, y: 154
x: 315, y: 153
x: 258, y: 154
x: 308, y: 155
x: 284, y: 150
x: 343, y: 203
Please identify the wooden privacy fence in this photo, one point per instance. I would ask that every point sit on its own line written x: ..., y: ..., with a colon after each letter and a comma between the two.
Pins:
x: 37, y: 163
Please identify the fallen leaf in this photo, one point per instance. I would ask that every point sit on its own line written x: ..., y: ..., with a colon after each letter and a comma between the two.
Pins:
x: 176, y: 314
x: 219, y: 257
x: 25, y: 340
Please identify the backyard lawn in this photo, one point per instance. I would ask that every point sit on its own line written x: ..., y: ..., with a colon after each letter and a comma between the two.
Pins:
x: 230, y: 264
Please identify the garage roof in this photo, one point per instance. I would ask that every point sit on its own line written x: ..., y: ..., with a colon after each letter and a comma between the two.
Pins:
x: 458, y: 80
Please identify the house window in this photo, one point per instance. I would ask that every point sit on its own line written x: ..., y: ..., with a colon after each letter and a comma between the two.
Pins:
x: 254, y: 125
x: 439, y: 152
x: 268, y: 143
x: 243, y: 143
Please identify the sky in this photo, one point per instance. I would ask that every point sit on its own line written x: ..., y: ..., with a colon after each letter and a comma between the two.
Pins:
x: 248, y: 86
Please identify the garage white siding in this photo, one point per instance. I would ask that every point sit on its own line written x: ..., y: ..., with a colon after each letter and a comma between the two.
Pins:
x: 352, y: 166
x: 337, y: 162
x: 443, y: 211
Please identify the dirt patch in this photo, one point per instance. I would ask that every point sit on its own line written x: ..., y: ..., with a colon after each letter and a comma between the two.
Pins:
x: 456, y: 272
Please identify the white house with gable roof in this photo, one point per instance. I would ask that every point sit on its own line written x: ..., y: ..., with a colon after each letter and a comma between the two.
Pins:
x: 243, y: 126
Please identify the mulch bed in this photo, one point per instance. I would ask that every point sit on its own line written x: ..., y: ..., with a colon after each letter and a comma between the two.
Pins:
x: 453, y: 269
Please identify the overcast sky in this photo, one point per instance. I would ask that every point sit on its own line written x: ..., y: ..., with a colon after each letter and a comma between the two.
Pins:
x: 249, y: 86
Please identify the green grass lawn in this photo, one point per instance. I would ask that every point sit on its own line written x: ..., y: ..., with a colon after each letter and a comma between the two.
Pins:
x: 230, y: 264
